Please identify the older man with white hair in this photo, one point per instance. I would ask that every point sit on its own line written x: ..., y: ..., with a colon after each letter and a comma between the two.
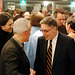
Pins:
x: 13, y: 58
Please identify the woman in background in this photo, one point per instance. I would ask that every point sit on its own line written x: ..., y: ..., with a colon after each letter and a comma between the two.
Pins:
x: 6, y: 25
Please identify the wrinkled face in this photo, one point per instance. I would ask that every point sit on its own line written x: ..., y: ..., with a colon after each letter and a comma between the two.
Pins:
x: 8, y: 26
x: 60, y: 19
x: 48, y: 31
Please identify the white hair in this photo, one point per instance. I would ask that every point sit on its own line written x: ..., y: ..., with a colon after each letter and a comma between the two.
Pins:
x: 21, y: 25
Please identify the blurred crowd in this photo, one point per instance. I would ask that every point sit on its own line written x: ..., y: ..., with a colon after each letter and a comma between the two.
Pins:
x: 65, y: 25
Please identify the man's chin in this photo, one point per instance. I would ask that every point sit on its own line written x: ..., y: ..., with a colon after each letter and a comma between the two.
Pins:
x: 28, y: 40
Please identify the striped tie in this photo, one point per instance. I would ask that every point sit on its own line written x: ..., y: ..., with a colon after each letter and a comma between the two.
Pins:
x: 49, y: 59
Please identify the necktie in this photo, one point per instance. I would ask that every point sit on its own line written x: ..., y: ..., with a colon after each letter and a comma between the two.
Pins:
x: 49, y: 59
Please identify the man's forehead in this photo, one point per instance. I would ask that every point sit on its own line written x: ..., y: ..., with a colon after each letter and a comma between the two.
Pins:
x: 59, y: 14
x: 45, y: 26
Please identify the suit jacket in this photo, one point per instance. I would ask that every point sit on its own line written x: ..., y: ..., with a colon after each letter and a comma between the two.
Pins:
x: 14, y: 60
x: 4, y: 37
x: 64, y: 57
x: 62, y: 29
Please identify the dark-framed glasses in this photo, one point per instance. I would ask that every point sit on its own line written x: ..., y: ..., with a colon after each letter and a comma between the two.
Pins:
x: 46, y: 30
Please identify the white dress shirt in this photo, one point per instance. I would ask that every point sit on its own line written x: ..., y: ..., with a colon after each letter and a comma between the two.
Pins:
x: 54, y: 41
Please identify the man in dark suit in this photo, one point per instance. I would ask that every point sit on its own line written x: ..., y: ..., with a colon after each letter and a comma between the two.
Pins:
x: 13, y: 58
x: 63, y: 50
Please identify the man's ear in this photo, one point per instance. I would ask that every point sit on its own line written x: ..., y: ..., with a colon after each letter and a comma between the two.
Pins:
x: 24, y: 32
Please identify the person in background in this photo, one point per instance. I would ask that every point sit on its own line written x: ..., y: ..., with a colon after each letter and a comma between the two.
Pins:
x: 49, y: 14
x: 64, y: 23
x: 8, y: 10
x: 13, y: 58
x: 44, y: 11
x: 73, y: 13
x: 70, y: 26
x: 6, y: 25
x: 27, y: 15
x: 36, y: 17
x: 59, y: 15
x: 16, y: 14
x: 55, y: 51
x: 67, y: 13
x: 34, y: 10
x: 22, y: 13
x: 30, y: 47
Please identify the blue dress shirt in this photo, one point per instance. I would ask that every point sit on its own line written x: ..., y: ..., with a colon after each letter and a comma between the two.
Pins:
x: 29, y: 49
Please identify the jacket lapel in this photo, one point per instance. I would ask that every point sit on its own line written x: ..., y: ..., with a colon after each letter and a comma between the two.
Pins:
x: 58, y: 48
x: 45, y: 51
x: 20, y: 50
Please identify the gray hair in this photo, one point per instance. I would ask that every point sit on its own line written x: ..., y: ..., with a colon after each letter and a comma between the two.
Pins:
x: 21, y: 25
x: 49, y: 20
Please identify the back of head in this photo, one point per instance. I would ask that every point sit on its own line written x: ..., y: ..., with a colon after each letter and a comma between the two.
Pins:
x: 21, y: 25
x: 71, y: 21
x: 4, y: 17
x: 36, y: 18
x: 59, y: 10
x: 49, y: 20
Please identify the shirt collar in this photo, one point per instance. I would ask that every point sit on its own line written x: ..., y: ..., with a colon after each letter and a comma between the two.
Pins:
x: 54, y: 37
x: 21, y: 45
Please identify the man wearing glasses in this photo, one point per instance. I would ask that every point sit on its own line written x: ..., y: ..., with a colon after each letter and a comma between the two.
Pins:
x: 59, y: 61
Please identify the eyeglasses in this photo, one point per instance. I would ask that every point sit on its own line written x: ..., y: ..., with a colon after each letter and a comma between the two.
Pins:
x: 46, y: 30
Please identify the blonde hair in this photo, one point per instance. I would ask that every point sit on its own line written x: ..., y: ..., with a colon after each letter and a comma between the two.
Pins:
x: 36, y: 18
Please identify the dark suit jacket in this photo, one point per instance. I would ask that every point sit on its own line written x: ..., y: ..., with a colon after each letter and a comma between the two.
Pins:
x: 62, y: 29
x: 4, y: 37
x: 64, y: 57
x: 14, y: 60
